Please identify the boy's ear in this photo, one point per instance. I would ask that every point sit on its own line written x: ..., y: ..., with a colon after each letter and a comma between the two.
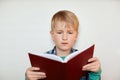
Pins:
x: 77, y: 35
x: 51, y: 33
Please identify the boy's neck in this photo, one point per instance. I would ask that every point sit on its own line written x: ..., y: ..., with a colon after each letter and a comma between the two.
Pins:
x: 62, y: 53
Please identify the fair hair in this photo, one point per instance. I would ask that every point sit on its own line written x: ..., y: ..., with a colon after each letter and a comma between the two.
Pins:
x: 65, y: 16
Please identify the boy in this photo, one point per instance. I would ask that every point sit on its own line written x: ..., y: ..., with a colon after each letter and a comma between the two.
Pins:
x: 64, y: 32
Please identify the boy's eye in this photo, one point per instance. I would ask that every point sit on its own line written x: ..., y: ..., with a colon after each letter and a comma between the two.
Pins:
x: 70, y: 32
x: 59, y: 32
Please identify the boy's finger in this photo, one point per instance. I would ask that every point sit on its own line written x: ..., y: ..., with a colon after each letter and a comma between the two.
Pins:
x: 38, y: 73
x: 41, y: 73
x: 88, y: 67
x: 92, y: 59
x: 34, y: 68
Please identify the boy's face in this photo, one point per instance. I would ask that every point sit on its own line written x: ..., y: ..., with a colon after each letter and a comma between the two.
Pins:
x: 64, y: 36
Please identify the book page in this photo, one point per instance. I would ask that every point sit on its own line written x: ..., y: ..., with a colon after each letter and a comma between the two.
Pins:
x: 70, y: 56
x: 49, y: 56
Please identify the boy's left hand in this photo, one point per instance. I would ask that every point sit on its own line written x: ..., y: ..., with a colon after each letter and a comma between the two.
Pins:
x: 94, y: 65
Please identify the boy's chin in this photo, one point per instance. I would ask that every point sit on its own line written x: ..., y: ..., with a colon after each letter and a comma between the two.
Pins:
x: 64, y: 48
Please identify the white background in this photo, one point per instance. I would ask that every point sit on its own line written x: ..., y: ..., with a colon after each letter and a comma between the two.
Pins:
x: 25, y: 26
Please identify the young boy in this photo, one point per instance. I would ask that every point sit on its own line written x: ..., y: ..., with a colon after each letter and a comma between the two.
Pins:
x: 64, y: 32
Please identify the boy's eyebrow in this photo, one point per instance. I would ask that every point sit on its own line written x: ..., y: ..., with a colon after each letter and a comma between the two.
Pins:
x: 59, y: 30
x: 67, y: 30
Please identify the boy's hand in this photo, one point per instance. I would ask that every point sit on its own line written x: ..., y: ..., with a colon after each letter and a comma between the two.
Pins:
x: 94, y: 65
x: 32, y: 75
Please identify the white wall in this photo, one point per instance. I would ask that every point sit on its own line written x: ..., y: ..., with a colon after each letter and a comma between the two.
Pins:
x: 25, y: 26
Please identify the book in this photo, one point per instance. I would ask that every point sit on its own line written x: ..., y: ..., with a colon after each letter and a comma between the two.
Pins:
x: 57, y: 69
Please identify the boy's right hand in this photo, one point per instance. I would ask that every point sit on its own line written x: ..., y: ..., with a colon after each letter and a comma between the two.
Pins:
x: 32, y: 74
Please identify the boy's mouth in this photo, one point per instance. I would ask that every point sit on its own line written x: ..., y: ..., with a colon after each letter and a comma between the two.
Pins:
x: 64, y: 43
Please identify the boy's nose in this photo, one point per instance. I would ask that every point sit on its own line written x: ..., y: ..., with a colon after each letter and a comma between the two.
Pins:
x: 65, y: 36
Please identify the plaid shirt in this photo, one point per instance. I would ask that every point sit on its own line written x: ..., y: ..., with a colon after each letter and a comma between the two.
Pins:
x: 53, y: 51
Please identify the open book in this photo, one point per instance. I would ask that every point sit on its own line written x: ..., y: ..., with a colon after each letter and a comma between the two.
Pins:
x: 57, y: 69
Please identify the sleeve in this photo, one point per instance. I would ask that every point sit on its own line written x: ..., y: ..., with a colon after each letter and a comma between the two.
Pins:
x: 83, y: 78
x: 95, y: 75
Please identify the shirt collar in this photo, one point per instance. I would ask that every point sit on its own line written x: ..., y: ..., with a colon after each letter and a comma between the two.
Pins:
x: 54, y: 50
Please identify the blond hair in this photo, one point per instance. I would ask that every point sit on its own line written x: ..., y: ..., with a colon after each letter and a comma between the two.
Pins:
x: 67, y: 17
